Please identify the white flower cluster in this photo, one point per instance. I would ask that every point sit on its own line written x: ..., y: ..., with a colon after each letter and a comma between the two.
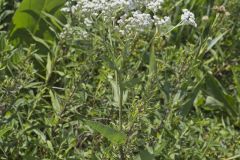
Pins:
x: 139, y: 22
x: 88, y: 22
x: 159, y: 22
x: 155, y: 5
x: 188, y: 18
x: 69, y: 8
x: 69, y: 32
x: 104, y: 7
x: 133, y: 19
x: 95, y: 7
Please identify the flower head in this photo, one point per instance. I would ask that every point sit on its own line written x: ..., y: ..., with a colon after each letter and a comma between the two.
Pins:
x: 161, y: 21
x: 138, y: 21
x: 188, y: 18
x: 155, y: 5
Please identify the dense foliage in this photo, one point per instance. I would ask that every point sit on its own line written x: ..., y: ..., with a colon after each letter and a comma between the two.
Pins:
x: 154, y: 85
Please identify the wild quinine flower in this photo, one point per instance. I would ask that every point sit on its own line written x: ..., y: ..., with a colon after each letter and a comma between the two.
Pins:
x: 154, y: 5
x: 104, y: 7
x: 92, y: 7
x: 132, y: 19
x: 139, y: 21
x: 88, y: 22
x: 108, y: 6
x: 188, y: 18
x: 159, y: 22
x: 125, y: 4
x: 69, y: 8
x: 69, y: 32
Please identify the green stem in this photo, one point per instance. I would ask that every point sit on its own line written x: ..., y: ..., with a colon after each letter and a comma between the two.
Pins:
x: 120, y: 101
x: 120, y: 105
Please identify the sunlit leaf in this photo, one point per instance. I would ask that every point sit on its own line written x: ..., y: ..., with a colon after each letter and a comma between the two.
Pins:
x: 216, y: 40
x: 111, y: 134
x: 29, y: 17
x: 48, y: 68
x: 4, y: 130
x: 55, y: 103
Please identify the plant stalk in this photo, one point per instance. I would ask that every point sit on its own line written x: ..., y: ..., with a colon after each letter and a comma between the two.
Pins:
x: 120, y: 105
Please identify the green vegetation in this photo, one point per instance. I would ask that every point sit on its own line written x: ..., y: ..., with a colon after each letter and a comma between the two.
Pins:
x: 73, y: 88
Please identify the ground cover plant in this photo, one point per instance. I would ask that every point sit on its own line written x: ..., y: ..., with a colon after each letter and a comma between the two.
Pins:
x: 119, y: 79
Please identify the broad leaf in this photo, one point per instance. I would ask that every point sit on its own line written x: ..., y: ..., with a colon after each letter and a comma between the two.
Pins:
x: 29, y: 16
x: 214, y: 89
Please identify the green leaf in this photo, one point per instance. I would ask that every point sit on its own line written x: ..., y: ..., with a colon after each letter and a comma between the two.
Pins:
x: 212, y: 103
x: 111, y: 134
x: 110, y: 63
x: 57, y: 23
x: 188, y: 104
x: 115, y: 88
x: 40, y: 134
x: 48, y: 68
x: 29, y: 17
x: 55, y: 103
x: 215, y: 41
x: 23, y: 19
x: 145, y: 155
x: 116, y: 93
x: 50, y: 146
x: 131, y: 83
x: 39, y: 40
x: 236, y: 78
x: 4, y: 130
x: 152, y: 63
x: 214, y: 89
x: 33, y: 85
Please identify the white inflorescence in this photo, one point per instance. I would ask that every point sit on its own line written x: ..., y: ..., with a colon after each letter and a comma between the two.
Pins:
x: 139, y: 21
x: 95, y: 7
x: 133, y: 19
x: 188, y: 18
x: 88, y: 22
x: 155, y: 5
x: 106, y: 6
x: 70, y: 8
x: 159, y: 22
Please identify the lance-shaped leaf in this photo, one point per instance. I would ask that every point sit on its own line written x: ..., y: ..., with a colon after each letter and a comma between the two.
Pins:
x: 48, y: 68
x: 188, y: 104
x: 55, y: 103
x: 215, y: 41
x: 111, y: 134
x: 4, y: 130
